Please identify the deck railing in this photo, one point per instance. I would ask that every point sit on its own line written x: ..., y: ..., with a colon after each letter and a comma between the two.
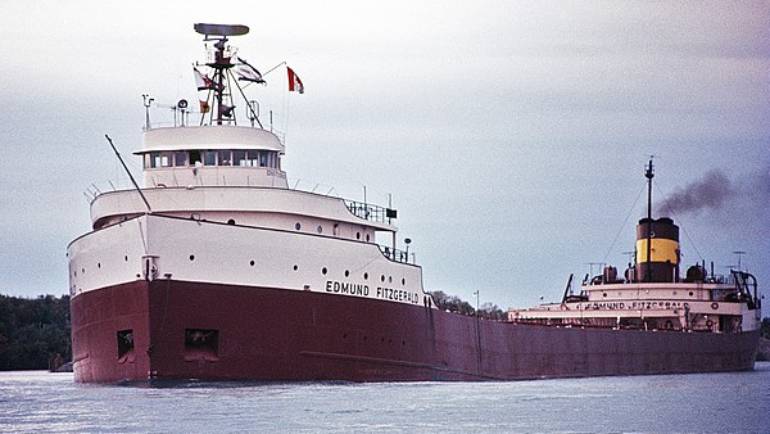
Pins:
x: 370, y: 212
x: 397, y: 255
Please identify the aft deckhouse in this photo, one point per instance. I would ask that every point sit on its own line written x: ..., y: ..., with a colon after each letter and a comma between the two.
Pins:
x: 651, y: 294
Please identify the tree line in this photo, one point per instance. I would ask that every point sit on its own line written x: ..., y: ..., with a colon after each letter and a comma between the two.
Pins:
x: 33, y: 331
x: 453, y: 303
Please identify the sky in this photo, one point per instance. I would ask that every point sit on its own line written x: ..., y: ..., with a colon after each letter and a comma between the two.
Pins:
x: 511, y: 135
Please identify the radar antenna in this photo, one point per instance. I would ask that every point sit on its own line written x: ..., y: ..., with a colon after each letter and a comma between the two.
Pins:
x: 222, y: 30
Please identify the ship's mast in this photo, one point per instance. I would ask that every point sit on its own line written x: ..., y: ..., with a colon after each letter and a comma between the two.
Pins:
x: 221, y: 63
x: 649, y: 175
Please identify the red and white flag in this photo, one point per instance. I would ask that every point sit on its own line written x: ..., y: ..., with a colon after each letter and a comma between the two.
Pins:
x: 295, y: 84
x: 203, y: 81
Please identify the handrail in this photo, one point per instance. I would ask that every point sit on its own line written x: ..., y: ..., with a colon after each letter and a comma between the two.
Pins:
x: 370, y: 212
x: 396, y: 255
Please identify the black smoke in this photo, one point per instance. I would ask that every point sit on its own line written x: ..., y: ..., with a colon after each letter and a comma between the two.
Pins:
x: 715, y: 191
x: 712, y: 191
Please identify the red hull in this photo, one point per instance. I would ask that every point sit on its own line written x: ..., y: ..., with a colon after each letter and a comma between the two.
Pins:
x: 272, y: 334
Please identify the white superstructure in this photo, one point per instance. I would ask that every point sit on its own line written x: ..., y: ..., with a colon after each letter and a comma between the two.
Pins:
x: 721, y: 305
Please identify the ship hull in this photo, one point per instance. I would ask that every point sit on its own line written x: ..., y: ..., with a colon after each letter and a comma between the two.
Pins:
x: 268, y: 334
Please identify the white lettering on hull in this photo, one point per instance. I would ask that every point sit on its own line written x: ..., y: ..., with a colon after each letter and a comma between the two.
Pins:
x: 349, y: 288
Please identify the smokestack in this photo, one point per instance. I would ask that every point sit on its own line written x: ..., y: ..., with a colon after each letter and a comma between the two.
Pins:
x: 664, y: 251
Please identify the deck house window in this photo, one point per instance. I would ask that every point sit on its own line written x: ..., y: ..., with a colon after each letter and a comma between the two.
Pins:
x: 165, y: 159
x: 263, y: 159
x: 180, y: 159
x: 209, y: 158
x: 239, y: 158
x: 225, y: 158
x: 195, y: 157
x: 251, y: 157
x: 147, y: 161
x: 154, y: 159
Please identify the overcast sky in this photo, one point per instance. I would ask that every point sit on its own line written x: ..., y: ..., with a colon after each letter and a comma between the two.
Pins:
x: 512, y: 135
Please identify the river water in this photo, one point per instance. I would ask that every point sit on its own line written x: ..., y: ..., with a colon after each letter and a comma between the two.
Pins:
x: 725, y: 402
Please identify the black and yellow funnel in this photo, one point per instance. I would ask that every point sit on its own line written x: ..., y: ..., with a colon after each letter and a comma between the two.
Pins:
x: 663, y: 264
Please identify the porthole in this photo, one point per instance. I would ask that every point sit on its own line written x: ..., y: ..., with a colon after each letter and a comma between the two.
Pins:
x: 366, y: 276
x: 604, y: 294
x: 83, y: 270
x: 323, y: 271
x: 76, y: 273
x: 347, y: 273
x: 297, y: 226
x: 390, y: 279
x: 319, y: 229
x: 251, y: 262
x: 125, y: 258
x: 358, y: 235
x: 690, y: 293
x: 231, y: 222
x: 98, y: 265
x: 403, y: 281
x: 296, y: 267
x: 382, y: 278
x: 192, y: 257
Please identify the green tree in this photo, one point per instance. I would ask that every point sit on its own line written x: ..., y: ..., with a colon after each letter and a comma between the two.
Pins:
x: 32, y: 331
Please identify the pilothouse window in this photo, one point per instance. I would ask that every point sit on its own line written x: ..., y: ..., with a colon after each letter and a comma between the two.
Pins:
x: 195, y: 157
x: 251, y: 158
x: 225, y: 158
x: 154, y: 159
x: 180, y: 159
x: 239, y: 158
x: 263, y: 159
x: 165, y: 159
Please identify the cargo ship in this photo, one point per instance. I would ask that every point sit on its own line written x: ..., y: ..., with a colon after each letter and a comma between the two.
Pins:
x: 215, y: 269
